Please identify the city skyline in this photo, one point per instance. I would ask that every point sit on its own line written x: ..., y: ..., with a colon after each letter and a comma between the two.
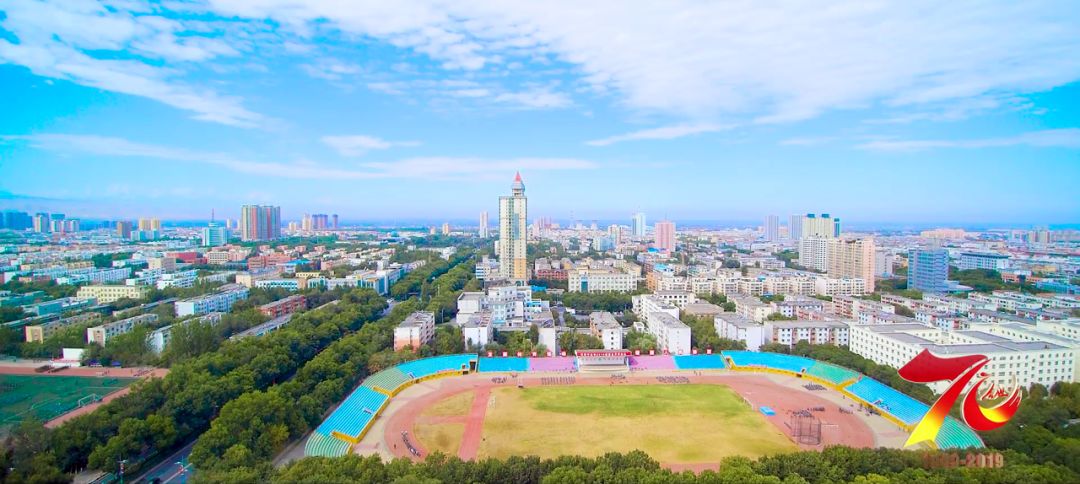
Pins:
x: 142, y: 111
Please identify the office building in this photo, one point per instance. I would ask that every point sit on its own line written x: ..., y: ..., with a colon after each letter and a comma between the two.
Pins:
x: 513, y: 234
x: 852, y: 258
x: 772, y: 228
x: 664, y: 236
x: 123, y: 229
x: 638, y: 226
x: 928, y: 270
x: 416, y: 330
x: 1016, y: 357
x: 214, y: 235
x: 260, y: 222
x: 820, y: 226
x: 484, y: 224
x: 598, y: 278
x: 16, y: 220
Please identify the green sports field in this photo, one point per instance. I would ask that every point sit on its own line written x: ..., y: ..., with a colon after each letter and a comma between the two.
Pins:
x: 47, y: 397
x: 672, y: 423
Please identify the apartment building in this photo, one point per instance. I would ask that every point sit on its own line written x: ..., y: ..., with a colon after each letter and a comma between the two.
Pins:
x: 110, y: 293
x: 220, y: 301
x: 416, y: 330
x: 101, y: 334
x: 814, y: 332
x: 672, y: 335
x: 740, y: 328
x: 603, y: 325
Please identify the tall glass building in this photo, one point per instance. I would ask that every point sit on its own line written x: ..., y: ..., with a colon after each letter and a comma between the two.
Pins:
x: 928, y: 270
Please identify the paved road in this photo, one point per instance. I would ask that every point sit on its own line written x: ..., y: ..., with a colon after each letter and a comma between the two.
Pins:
x: 173, y: 470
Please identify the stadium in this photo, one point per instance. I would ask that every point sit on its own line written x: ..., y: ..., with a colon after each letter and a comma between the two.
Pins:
x: 688, y: 411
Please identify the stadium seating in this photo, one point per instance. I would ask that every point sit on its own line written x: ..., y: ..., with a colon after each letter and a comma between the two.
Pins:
x: 901, y: 406
x: 656, y: 362
x: 388, y: 379
x: 776, y: 361
x: 430, y: 366
x: 503, y: 364
x: 956, y: 435
x: 354, y: 414
x: 700, y: 362
x: 319, y: 445
x: 831, y: 373
x: 555, y: 363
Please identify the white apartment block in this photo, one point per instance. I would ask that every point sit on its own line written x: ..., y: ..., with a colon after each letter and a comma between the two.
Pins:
x: 942, y: 320
x: 1012, y: 361
x: 814, y: 253
x: 507, y: 306
x: 415, y: 331
x: 603, y: 325
x: 646, y: 304
x: 977, y: 260
x: 677, y: 298
x: 751, y: 308
x: 672, y: 335
x: 110, y: 293
x: 791, y: 306
x: 177, y: 279
x: 1005, y: 300
x: 881, y: 317
x: 475, y: 329
x: 220, y: 301
x: 739, y: 328
x: 101, y: 334
x: 844, y: 286
x: 851, y: 307
x: 814, y: 332
x: 94, y: 276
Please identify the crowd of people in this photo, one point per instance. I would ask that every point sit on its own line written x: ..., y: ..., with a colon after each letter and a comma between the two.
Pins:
x: 558, y: 380
x: 408, y: 444
x: 677, y: 380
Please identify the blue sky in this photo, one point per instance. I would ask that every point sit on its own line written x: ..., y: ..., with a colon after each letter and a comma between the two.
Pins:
x: 895, y: 112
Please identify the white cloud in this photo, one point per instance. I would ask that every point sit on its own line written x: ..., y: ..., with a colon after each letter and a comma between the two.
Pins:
x: 464, y: 168
x: 1051, y: 138
x: 358, y: 144
x: 65, y: 40
x: 766, y: 61
x: 665, y: 132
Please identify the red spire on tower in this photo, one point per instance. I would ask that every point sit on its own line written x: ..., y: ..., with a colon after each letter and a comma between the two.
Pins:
x: 517, y: 178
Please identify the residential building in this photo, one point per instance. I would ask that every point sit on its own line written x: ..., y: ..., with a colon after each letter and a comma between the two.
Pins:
x: 637, y: 225
x: 772, y: 228
x: 105, y: 294
x: 476, y: 330
x: 672, y: 335
x: 646, y: 304
x: 599, y: 278
x: 513, y: 233
x: 852, y: 258
x: 123, y: 229
x: 740, y: 328
x: 664, y: 236
x: 101, y: 334
x: 603, y: 325
x: 982, y: 260
x: 484, y: 224
x: 751, y: 307
x: 814, y: 332
x: 795, y: 228
x: 416, y: 330
x: 283, y: 306
x: 260, y: 222
x: 220, y: 301
x: 820, y: 226
x: 814, y: 252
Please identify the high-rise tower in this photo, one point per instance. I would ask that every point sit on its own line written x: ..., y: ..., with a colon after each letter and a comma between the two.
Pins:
x: 513, y: 233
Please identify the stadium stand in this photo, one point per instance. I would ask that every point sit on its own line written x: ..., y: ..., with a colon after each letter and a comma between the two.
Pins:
x: 351, y: 418
x: 776, y: 361
x: 831, y: 373
x: 389, y: 379
x: 884, y: 397
x: 558, y: 363
x: 657, y: 362
x: 503, y: 364
x: 955, y: 435
x: 417, y: 369
x: 319, y: 445
x: 699, y: 362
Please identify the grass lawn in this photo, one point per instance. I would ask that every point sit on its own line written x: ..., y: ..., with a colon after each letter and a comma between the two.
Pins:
x: 47, y: 397
x: 672, y: 423
x: 442, y: 437
x: 457, y: 405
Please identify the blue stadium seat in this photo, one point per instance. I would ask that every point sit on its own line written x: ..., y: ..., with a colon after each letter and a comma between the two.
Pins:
x: 776, y: 361
x: 699, y: 362
x: 388, y: 379
x: 889, y: 400
x: 503, y: 364
x: 319, y: 445
x: 430, y: 366
x: 354, y: 414
x: 955, y: 434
